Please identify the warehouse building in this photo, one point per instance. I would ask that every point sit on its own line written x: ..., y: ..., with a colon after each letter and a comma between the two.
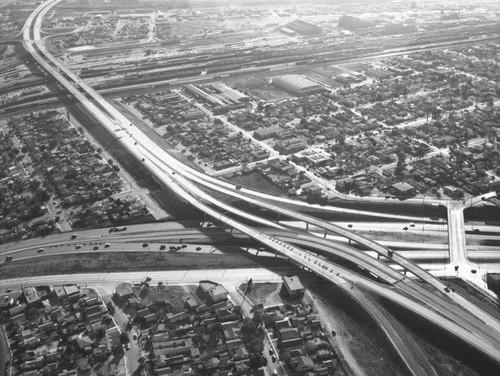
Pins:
x: 304, y: 27
x: 297, y: 84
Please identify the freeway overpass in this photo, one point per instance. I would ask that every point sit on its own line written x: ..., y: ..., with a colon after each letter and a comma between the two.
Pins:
x: 180, y: 179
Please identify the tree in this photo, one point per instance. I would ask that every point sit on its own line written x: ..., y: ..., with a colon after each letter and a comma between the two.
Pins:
x: 252, y: 336
x: 35, y: 210
x: 400, y: 164
x: 34, y: 184
x: 111, y: 308
x: 124, y: 338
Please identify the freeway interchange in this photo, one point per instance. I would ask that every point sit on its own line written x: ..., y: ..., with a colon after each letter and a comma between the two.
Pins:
x: 435, y: 302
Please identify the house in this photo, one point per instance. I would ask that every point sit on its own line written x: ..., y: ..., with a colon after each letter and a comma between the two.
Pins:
x: 213, y: 291
x: 124, y: 290
x: 303, y: 364
x: 402, y: 189
x: 17, y: 309
x: 190, y: 303
x: 293, y: 286
x: 177, y: 317
x: 72, y: 292
x: 6, y: 301
x: 150, y: 318
x: 290, y: 338
x: 60, y: 293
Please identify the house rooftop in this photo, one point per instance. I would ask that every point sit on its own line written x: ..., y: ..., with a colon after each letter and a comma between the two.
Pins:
x: 293, y: 283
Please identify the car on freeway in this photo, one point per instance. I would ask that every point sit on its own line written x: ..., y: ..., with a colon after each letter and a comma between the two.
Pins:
x: 73, y: 236
x: 118, y: 229
x: 78, y: 246
x: 106, y: 245
x: 40, y: 250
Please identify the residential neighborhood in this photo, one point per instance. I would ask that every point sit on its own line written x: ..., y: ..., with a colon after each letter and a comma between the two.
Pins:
x: 51, y: 174
x: 61, y: 330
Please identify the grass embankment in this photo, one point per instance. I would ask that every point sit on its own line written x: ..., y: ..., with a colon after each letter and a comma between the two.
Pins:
x: 130, y: 261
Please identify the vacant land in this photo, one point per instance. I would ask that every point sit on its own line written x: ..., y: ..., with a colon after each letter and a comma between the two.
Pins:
x: 264, y: 293
x: 173, y: 295
x: 256, y: 182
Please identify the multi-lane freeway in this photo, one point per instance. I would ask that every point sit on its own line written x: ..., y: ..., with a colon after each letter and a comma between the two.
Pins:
x: 441, y: 306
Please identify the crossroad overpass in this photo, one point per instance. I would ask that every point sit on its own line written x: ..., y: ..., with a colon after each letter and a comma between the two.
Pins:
x: 442, y: 307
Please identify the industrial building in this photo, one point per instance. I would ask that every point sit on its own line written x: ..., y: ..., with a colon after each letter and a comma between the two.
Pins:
x: 304, y: 27
x: 216, y: 94
x: 297, y: 84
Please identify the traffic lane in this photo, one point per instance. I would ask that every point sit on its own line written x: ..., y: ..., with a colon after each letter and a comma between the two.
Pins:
x: 104, y: 233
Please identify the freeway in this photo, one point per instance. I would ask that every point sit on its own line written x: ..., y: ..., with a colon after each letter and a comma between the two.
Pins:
x: 177, y: 176
x: 198, y: 233
x: 168, y: 233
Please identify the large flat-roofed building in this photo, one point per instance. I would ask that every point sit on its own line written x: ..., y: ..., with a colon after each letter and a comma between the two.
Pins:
x: 291, y: 146
x: 304, y: 27
x: 312, y: 156
x: 297, y: 84
x: 273, y: 131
